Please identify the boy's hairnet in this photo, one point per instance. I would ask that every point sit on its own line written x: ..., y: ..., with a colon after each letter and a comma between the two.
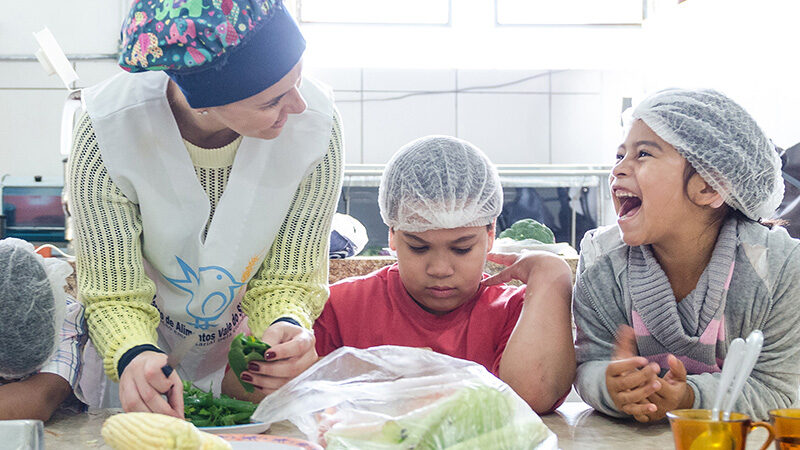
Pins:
x: 32, y: 307
x: 439, y: 182
x: 722, y: 142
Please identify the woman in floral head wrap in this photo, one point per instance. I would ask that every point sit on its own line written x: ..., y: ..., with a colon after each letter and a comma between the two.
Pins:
x: 203, y: 186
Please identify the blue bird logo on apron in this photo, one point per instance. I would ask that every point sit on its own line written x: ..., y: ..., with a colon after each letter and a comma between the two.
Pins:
x: 204, y: 306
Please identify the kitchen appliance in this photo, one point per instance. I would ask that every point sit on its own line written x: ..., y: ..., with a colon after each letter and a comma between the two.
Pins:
x: 32, y: 207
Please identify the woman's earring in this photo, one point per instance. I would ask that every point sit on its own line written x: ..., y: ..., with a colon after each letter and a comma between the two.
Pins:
x: 203, y: 112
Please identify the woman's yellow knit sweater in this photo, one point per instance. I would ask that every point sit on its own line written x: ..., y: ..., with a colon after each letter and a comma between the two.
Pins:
x: 113, y: 286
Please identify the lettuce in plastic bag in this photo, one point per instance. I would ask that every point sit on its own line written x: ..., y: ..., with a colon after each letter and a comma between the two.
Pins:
x: 395, y: 398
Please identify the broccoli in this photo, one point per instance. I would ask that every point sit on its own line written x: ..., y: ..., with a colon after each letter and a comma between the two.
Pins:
x: 529, y: 229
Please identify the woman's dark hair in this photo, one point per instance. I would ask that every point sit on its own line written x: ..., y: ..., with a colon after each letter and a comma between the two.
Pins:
x: 726, y: 212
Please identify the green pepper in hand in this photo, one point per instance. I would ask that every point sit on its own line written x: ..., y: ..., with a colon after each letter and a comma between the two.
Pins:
x: 243, y: 350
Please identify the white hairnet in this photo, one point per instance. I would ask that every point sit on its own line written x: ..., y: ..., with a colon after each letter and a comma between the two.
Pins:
x: 722, y: 142
x: 439, y: 182
x: 32, y: 307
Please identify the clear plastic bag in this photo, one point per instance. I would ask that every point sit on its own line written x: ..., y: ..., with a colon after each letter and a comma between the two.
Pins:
x: 392, y: 397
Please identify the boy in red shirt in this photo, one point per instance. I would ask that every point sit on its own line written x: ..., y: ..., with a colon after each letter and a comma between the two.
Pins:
x: 440, y: 197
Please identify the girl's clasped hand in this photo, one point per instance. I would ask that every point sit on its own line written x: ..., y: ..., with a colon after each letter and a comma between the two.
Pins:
x: 636, y: 387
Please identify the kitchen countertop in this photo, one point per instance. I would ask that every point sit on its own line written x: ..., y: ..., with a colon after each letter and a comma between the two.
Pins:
x: 576, y: 424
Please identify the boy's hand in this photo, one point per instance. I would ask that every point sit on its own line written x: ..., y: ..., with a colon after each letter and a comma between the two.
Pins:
x: 630, y: 379
x: 523, y: 266
x: 674, y: 393
x: 291, y: 352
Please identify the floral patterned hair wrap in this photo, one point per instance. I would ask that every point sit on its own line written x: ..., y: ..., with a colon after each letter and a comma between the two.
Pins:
x: 216, y: 51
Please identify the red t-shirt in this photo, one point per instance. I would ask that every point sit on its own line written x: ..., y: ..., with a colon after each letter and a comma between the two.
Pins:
x: 376, y: 310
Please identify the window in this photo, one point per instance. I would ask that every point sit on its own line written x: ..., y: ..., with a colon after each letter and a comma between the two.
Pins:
x: 569, y: 12
x: 422, y: 12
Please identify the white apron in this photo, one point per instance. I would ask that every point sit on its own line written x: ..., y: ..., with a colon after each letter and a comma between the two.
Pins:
x: 200, y: 284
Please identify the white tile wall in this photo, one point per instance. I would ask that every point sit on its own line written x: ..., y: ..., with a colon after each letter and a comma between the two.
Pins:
x: 390, y: 124
x: 30, y: 101
x: 381, y: 109
x: 87, y: 26
x: 616, y: 86
x: 510, y: 128
x: 409, y: 80
x: 93, y: 72
x: 570, y: 81
x: 27, y: 75
x: 349, y: 106
x: 529, y: 81
x: 29, y: 131
x: 340, y: 79
x: 577, y: 134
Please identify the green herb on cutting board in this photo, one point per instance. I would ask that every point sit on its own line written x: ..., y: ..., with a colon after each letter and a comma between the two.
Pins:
x: 203, y: 410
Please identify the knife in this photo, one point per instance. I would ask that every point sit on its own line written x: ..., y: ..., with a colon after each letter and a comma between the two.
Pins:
x: 178, y: 352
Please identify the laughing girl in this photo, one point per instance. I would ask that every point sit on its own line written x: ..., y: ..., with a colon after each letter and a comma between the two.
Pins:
x: 690, y: 265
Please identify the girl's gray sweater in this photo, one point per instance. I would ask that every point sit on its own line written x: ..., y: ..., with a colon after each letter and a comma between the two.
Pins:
x: 764, y: 295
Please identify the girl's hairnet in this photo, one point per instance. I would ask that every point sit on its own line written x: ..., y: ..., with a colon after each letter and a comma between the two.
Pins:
x: 439, y: 182
x: 32, y: 307
x: 722, y: 142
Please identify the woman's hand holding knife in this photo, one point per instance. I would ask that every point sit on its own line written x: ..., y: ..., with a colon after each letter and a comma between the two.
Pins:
x: 150, y: 377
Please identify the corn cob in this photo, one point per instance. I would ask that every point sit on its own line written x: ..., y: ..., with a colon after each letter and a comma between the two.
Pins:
x: 145, y: 431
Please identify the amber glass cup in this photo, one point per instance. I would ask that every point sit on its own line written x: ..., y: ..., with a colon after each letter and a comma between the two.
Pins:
x: 786, y: 423
x: 693, y: 429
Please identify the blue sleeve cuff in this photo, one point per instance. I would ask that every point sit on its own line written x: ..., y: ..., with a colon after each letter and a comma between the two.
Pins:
x: 133, y: 353
x: 287, y: 319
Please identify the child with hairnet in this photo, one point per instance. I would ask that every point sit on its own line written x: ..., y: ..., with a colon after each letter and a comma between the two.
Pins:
x: 42, y: 335
x: 688, y: 267
x: 440, y: 197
